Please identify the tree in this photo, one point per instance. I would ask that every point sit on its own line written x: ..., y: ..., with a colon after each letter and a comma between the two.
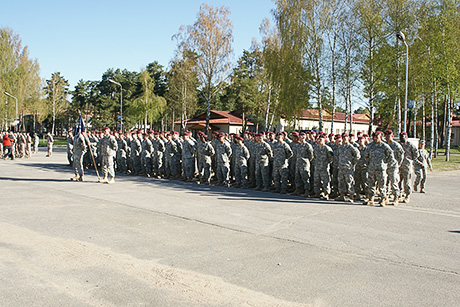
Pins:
x: 56, y: 90
x: 210, y: 38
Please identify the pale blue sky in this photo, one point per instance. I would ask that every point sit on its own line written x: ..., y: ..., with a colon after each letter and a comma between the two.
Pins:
x: 82, y: 39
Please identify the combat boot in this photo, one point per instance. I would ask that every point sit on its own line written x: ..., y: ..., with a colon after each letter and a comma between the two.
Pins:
x: 283, y: 191
x: 422, y: 190
x: 266, y: 189
x: 369, y: 201
x: 317, y: 195
x: 112, y: 180
x: 276, y: 190
x: 395, y: 202
x: 103, y: 180
x: 75, y: 178
x: 341, y: 197
x: 297, y: 192
x: 334, y: 195
x: 81, y: 178
x: 407, y: 199
x: 383, y: 201
x: 348, y: 199
x: 324, y: 196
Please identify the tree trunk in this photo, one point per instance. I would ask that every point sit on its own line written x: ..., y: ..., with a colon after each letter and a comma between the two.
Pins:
x: 371, y: 86
x: 268, y: 108
x: 449, y: 127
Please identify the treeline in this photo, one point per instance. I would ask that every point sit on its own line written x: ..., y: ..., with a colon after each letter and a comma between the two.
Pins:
x: 331, y: 54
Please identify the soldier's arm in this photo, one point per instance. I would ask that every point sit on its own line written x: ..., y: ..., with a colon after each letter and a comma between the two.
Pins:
x: 428, y: 160
x: 268, y: 150
x: 288, y: 151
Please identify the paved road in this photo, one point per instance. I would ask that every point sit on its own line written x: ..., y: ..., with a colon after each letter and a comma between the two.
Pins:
x: 148, y: 242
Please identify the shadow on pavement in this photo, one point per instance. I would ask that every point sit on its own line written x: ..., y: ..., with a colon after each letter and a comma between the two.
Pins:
x: 454, y: 231
x: 33, y: 179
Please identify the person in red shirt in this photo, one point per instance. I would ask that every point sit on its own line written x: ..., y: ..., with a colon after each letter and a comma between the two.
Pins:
x: 8, y: 146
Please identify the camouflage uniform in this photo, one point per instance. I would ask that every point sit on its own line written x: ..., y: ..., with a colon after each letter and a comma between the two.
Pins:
x: 324, y: 156
x: 282, y: 152
x: 146, y: 158
x: 109, y: 148
x: 241, y: 154
x: 304, y: 156
x: 176, y: 162
x: 136, y: 150
x: 348, y: 156
x: 420, y: 167
x: 121, y: 155
x: 50, y: 142
x: 205, y: 156
x: 393, y: 169
x: 378, y: 156
x: 79, y: 149
x: 188, y: 158
x: 36, y: 142
x: 250, y: 145
x: 263, y: 153
x: 170, y: 150
x: 157, y: 158
x: 361, y: 177
x: 335, y: 170
x: 70, y: 150
x: 223, y: 157
x: 405, y: 170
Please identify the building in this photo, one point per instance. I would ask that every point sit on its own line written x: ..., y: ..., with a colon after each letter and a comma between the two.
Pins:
x: 220, y: 121
x: 310, y: 121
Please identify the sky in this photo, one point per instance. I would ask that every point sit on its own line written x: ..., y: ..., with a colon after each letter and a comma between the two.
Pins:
x: 82, y: 39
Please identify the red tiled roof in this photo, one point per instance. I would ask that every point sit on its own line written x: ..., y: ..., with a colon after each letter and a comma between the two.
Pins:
x: 338, y: 116
x: 217, y: 117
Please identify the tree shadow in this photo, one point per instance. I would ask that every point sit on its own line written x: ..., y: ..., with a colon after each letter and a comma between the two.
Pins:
x: 33, y: 179
x: 454, y: 231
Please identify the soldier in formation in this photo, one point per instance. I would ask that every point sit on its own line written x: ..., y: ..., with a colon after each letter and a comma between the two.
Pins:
x: 308, y: 164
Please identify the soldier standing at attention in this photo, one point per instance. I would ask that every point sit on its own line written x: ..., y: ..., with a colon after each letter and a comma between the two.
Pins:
x: 188, y: 156
x: 324, y: 156
x: 378, y: 156
x: 121, y: 152
x: 241, y: 154
x: 304, y: 155
x: 361, y: 186
x: 79, y: 149
x: 70, y: 147
x: 335, y: 169
x: 348, y: 156
x: 281, y: 155
x: 393, y: 167
x: 36, y: 141
x: 158, y: 151
x: 421, y: 163
x: 205, y: 156
x: 223, y: 156
x: 136, y: 149
x: 109, y: 148
x: 146, y: 155
x: 405, y: 171
x: 49, y: 142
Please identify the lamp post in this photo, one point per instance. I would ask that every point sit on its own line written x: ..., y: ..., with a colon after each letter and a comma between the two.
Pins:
x: 402, y: 38
x: 121, y: 102
x: 8, y: 94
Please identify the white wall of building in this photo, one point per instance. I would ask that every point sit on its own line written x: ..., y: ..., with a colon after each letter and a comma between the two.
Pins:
x: 339, y: 127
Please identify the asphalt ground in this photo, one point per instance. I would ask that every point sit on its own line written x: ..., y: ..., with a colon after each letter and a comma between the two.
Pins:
x: 150, y: 242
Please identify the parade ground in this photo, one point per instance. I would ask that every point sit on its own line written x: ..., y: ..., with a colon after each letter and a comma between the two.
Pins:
x: 150, y: 242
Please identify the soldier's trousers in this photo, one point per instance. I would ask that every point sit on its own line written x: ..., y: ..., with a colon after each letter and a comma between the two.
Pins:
x: 28, y: 149
x: 78, y: 163
x: 302, y: 177
x: 176, y: 166
x: 189, y: 167
x: 121, y: 161
x: 361, y: 180
x: 167, y: 166
x: 50, y: 149
x: 107, y: 166
x: 393, y: 181
x: 205, y: 169
x: 280, y: 177
x: 405, y: 183
x: 147, y: 166
x: 136, y: 163
x: 241, y: 174
x: 346, y: 181
x: 69, y: 156
x: 377, y: 181
x: 262, y: 173
x: 322, y: 181
x: 335, y: 179
x: 22, y: 148
x: 420, y: 176
x: 252, y: 171
x: 223, y: 172
x: 35, y: 148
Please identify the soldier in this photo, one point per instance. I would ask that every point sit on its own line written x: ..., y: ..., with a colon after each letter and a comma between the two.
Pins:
x: 188, y: 156
x: 28, y: 145
x: 157, y: 158
x: 405, y: 171
x: 170, y: 150
x: 176, y: 165
x: 36, y: 140
x: 223, y: 156
x: 21, y: 143
x: 8, y: 146
x: 378, y: 156
x: 304, y: 155
x: 109, y: 148
x: 263, y: 153
x: 241, y: 154
x: 335, y: 163
x: 348, y: 156
x: 49, y: 143
x: 293, y: 160
x: 421, y: 163
x: 282, y: 152
x: 249, y: 143
x: 205, y: 155
x: 136, y: 150
x: 324, y: 156
x: 70, y: 147
x: 121, y: 157
x: 361, y: 180
x: 393, y: 167
x: 146, y: 155
x: 79, y: 149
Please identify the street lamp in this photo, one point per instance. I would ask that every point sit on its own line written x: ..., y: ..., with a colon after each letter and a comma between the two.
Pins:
x: 8, y: 94
x: 121, y: 102
x: 400, y: 36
